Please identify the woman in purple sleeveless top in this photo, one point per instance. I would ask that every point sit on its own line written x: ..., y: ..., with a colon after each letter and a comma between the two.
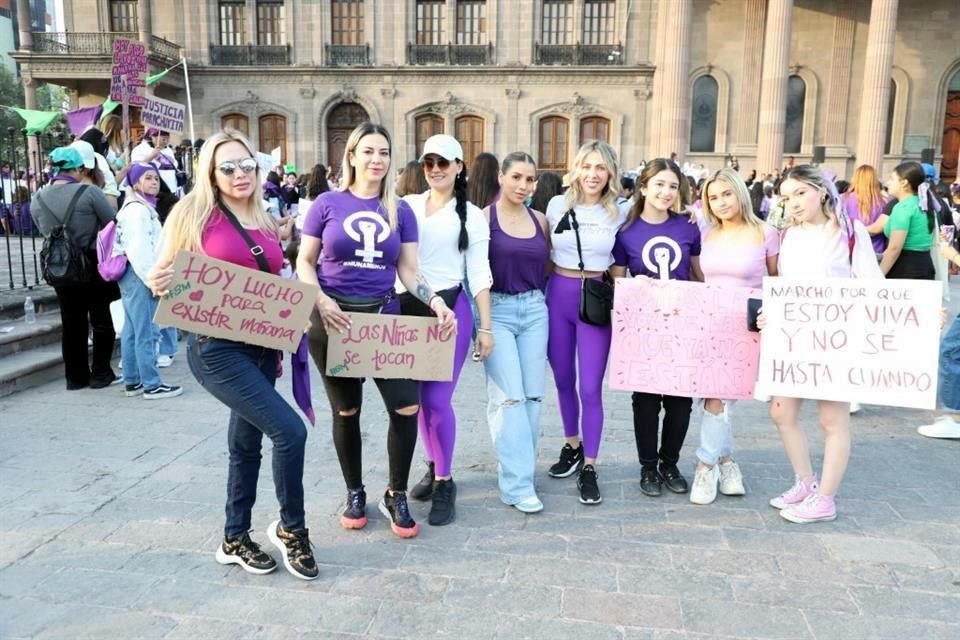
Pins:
x: 516, y: 369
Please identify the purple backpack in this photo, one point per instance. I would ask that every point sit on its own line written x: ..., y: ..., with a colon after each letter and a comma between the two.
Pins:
x: 111, y: 267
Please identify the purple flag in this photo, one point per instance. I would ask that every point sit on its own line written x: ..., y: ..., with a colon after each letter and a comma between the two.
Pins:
x: 79, y: 120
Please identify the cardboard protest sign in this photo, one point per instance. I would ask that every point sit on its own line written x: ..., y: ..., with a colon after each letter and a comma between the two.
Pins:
x: 215, y: 298
x: 265, y: 162
x: 684, y: 339
x: 870, y: 341
x: 129, y: 71
x: 390, y: 346
x: 162, y: 114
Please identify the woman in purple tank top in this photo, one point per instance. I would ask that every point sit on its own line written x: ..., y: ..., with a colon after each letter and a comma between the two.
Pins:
x: 516, y: 369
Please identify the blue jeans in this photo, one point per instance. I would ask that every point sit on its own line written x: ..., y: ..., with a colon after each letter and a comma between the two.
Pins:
x: 137, y: 351
x: 716, y: 434
x: 242, y: 376
x: 949, y: 376
x: 166, y: 338
x: 516, y: 372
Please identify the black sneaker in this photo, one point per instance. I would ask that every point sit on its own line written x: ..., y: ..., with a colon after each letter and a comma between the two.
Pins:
x: 246, y: 553
x: 424, y: 489
x: 587, y: 483
x: 673, y: 479
x: 132, y: 390
x: 443, y: 510
x: 650, y: 482
x: 162, y: 391
x: 355, y: 515
x: 571, y: 461
x: 102, y: 382
x: 394, y: 507
x: 297, y: 553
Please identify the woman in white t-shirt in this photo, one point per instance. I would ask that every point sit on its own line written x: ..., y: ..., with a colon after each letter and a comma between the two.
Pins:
x: 454, y: 236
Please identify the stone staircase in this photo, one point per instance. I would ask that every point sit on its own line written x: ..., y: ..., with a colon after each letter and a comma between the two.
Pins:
x: 29, y: 353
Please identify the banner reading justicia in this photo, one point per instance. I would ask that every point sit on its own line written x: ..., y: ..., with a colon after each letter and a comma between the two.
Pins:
x: 162, y: 114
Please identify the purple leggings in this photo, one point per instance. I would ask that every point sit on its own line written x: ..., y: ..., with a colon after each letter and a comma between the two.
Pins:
x: 438, y: 423
x: 574, y: 342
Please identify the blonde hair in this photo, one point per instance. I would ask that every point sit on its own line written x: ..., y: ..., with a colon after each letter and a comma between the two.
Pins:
x: 731, y: 178
x: 387, y: 198
x: 866, y: 187
x: 830, y: 202
x: 112, y: 127
x: 608, y: 197
x: 190, y: 216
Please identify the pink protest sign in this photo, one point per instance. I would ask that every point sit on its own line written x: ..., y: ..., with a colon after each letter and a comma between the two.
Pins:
x: 684, y: 339
x: 215, y: 298
x: 129, y: 71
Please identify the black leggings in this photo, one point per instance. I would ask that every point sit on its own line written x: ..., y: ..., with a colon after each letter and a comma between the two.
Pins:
x: 346, y: 394
x: 912, y: 265
x: 85, y: 308
x: 646, y: 425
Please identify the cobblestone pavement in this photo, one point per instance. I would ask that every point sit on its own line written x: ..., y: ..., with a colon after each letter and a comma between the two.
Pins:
x: 112, y: 508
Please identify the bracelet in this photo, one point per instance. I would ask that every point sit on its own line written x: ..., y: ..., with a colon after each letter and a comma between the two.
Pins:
x: 486, y: 331
x: 430, y: 301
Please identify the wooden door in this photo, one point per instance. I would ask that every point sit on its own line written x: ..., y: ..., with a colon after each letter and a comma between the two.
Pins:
x: 951, y: 138
x: 341, y: 121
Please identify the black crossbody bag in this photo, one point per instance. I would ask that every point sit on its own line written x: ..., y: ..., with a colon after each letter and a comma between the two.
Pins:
x: 596, y: 296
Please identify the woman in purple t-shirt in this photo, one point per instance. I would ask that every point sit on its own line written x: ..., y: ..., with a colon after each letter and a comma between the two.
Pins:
x: 208, y: 220
x: 367, y: 239
x: 657, y: 243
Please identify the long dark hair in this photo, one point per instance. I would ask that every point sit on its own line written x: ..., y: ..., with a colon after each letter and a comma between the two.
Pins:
x: 549, y: 185
x: 484, y: 185
x: 317, y: 182
x: 651, y: 169
x: 460, y: 195
x: 913, y: 173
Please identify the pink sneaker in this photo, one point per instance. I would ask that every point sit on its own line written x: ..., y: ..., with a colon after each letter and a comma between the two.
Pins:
x: 795, y: 494
x: 816, y: 508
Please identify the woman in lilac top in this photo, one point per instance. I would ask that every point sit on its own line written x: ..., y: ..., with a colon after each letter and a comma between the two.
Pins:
x: 657, y: 243
x: 242, y: 376
x: 355, y: 243
x: 517, y: 367
x: 866, y: 201
x: 738, y: 250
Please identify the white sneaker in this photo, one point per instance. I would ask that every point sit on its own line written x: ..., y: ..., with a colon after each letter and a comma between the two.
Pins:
x: 704, y: 489
x: 855, y: 408
x: 731, y: 480
x: 942, y: 427
x: 529, y: 505
x: 164, y: 361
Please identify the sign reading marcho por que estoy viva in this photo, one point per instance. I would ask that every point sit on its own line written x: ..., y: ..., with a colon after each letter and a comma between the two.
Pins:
x: 214, y: 298
x: 869, y: 341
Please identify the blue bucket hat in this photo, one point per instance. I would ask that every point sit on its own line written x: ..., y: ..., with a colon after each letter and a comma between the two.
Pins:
x: 929, y: 171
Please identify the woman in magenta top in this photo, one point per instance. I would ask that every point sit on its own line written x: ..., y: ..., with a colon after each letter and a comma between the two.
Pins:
x: 225, y: 199
x: 737, y: 250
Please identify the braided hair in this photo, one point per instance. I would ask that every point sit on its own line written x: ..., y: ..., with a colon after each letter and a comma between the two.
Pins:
x: 460, y: 195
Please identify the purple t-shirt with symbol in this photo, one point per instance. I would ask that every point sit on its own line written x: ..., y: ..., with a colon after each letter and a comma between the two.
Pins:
x: 360, y: 251
x: 661, y: 251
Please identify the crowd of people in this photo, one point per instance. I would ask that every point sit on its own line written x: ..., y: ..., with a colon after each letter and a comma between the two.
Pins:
x: 501, y: 260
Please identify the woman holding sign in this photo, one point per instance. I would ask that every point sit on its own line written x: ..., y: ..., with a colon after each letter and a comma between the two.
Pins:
x: 367, y: 240
x: 656, y: 242
x: 822, y: 242
x: 454, y: 237
x: 584, y: 224
x: 224, y: 217
x: 738, y: 250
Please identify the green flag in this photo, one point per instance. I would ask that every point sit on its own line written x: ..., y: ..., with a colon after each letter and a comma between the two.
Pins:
x: 153, y: 79
x: 109, y: 105
x: 36, y: 121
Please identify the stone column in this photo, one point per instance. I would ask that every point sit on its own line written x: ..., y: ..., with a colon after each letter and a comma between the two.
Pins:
x: 144, y: 22
x: 512, y: 124
x: 875, y: 92
x: 773, y: 86
x: 26, y: 44
x: 674, y: 72
x: 653, y: 130
x: 754, y: 20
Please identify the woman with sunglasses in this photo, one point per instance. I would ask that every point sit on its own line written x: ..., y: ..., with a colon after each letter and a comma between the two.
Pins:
x: 454, y: 238
x: 366, y: 240
x: 575, y: 348
x: 224, y: 217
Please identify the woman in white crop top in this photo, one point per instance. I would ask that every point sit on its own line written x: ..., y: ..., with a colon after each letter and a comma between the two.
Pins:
x: 817, y: 244
x: 454, y: 237
x: 578, y: 350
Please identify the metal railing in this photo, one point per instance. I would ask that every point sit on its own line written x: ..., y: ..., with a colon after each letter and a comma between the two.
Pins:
x: 450, y: 54
x: 164, y: 48
x: 97, y: 44
x: 346, y: 55
x: 579, y: 54
x: 250, y: 55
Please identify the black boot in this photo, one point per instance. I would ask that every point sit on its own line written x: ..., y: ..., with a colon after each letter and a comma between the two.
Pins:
x: 423, y: 490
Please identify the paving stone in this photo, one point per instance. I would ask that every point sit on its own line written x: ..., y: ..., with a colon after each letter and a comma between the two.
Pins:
x: 316, y: 612
x: 532, y: 628
x: 456, y: 563
x: 908, y: 604
x: 835, y: 571
x: 829, y: 624
x: 92, y: 587
x: 193, y: 628
x: 877, y: 551
x: 97, y: 623
x: 923, y: 579
x: 777, y: 543
x: 724, y: 562
x: 624, y: 609
x: 519, y: 542
x: 432, y: 620
x: 674, y: 583
x: 574, y: 573
x: 502, y: 597
x: 400, y: 585
x: 777, y: 592
x: 625, y: 552
x: 723, y: 617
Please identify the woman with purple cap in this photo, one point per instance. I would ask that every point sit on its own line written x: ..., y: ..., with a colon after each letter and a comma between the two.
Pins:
x: 138, y: 237
x: 454, y: 238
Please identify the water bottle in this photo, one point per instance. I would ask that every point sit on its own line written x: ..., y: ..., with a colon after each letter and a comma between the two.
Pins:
x: 29, y: 311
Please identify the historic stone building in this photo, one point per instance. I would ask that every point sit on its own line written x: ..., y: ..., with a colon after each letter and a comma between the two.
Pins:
x: 857, y: 80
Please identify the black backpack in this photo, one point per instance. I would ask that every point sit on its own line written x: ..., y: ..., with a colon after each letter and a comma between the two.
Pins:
x: 62, y: 261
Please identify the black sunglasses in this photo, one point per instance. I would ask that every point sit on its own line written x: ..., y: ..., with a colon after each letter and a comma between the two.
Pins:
x: 247, y: 165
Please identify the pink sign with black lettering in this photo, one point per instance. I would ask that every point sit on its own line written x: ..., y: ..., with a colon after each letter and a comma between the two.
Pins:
x: 211, y: 297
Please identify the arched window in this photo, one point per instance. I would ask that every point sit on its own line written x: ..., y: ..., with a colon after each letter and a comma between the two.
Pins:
x: 553, y: 144
x: 594, y: 128
x: 273, y: 134
x: 703, y: 116
x: 891, y: 107
x: 469, y: 132
x: 236, y: 121
x: 429, y: 124
x: 796, y: 102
